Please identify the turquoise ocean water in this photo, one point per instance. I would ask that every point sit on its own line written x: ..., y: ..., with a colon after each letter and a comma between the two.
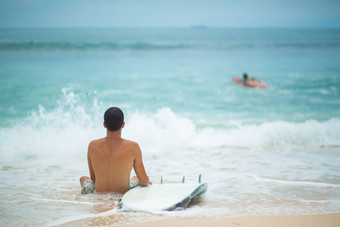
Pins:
x: 262, y: 152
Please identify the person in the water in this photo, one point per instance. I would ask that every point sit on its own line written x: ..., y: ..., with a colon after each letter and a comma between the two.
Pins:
x: 252, y: 82
x: 112, y: 158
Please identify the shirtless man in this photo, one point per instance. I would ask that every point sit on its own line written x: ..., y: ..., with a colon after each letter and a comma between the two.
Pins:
x: 252, y: 82
x: 111, y: 159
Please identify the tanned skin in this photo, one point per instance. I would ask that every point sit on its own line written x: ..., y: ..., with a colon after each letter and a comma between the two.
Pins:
x: 111, y: 160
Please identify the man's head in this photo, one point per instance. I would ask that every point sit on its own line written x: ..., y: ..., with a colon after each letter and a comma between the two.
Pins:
x: 113, y: 118
x: 245, y: 76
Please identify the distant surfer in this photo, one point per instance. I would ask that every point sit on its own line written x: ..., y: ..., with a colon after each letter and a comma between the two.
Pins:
x: 112, y: 158
x: 250, y: 82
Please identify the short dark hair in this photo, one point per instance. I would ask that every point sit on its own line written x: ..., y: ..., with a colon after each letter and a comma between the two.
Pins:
x: 113, y: 118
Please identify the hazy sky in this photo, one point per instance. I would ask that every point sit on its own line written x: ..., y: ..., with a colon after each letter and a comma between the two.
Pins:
x: 170, y: 13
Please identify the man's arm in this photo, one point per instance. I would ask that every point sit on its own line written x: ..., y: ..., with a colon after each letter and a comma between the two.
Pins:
x: 92, y: 175
x: 139, y: 167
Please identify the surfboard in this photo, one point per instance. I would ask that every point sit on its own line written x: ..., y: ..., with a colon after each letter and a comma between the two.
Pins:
x: 255, y: 83
x: 161, y: 197
x: 238, y: 81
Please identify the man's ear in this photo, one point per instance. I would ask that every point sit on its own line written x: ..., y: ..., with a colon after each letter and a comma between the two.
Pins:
x: 123, y: 124
x: 104, y: 124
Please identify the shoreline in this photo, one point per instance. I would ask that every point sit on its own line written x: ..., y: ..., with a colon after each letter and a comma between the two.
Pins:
x: 312, y: 220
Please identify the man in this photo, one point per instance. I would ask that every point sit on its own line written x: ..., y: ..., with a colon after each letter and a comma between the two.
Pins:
x: 111, y: 159
x: 252, y: 82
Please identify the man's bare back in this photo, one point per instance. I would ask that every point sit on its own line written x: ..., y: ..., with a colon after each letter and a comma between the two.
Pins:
x: 111, y: 160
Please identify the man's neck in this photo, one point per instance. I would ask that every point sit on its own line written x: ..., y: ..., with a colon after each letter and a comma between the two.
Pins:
x: 114, y: 135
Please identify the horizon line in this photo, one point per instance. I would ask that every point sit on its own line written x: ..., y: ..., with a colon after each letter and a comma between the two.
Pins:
x: 194, y: 27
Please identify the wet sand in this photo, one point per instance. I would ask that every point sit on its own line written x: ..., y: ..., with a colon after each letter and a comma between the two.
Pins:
x: 319, y: 220
x: 316, y: 220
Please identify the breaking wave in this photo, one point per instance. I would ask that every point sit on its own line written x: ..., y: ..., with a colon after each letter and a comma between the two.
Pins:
x: 65, y: 131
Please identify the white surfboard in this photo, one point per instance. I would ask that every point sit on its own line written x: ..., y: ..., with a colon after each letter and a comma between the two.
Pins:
x: 161, y: 197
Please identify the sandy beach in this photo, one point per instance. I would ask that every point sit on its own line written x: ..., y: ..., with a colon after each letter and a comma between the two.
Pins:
x: 317, y: 220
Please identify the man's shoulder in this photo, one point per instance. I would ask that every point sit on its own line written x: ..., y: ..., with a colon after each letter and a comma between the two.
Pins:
x: 101, y: 140
x: 96, y: 143
x: 131, y: 146
x: 130, y: 143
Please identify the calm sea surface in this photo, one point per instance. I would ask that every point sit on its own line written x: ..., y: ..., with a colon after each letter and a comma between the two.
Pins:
x: 262, y: 152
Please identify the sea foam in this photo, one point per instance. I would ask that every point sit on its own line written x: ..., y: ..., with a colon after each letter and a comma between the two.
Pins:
x: 66, y: 129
